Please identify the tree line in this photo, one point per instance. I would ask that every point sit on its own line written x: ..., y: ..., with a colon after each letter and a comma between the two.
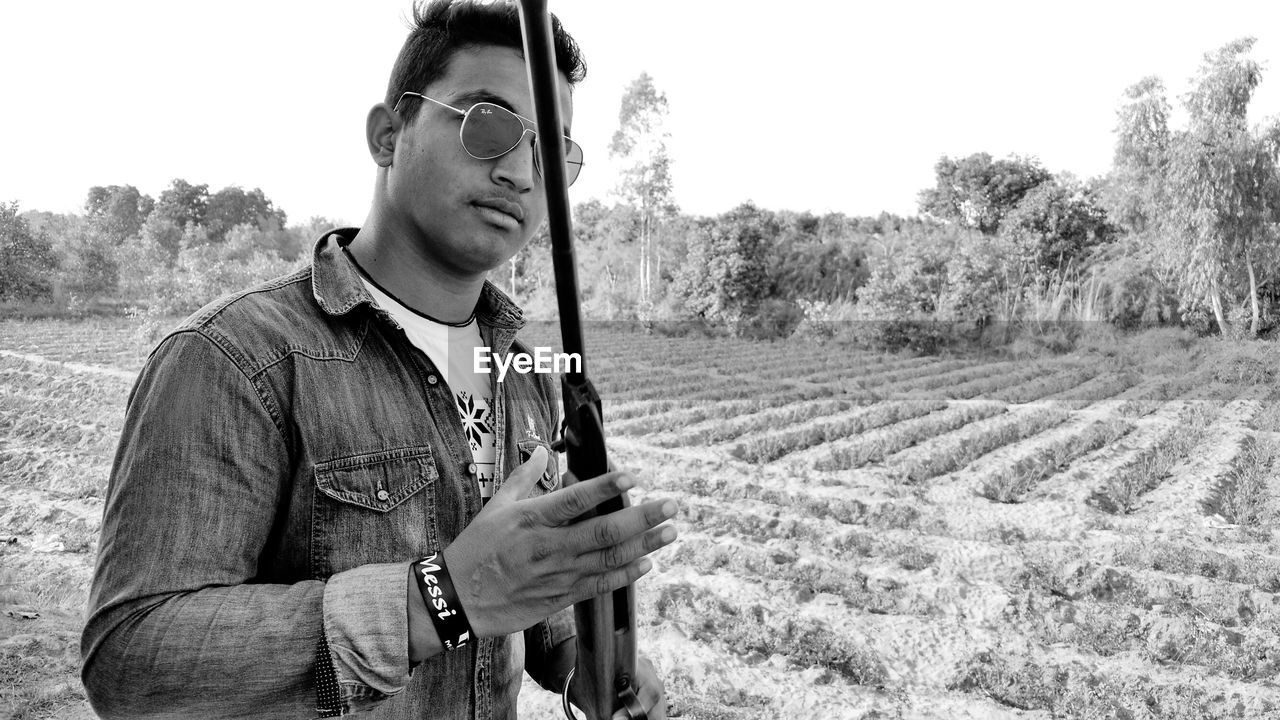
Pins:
x: 1184, y: 228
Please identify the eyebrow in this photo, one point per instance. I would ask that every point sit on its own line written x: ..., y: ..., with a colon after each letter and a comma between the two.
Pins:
x: 472, y: 97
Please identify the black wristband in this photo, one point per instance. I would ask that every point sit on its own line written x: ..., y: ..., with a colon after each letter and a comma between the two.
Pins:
x: 442, y: 602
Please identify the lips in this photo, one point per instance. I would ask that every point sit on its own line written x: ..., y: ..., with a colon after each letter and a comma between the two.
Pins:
x: 502, y: 205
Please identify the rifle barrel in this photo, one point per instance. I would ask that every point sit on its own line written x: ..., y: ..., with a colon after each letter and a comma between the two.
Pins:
x: 540, y: 55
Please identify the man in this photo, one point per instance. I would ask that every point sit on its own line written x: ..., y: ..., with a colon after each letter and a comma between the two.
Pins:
x: 300, y: 522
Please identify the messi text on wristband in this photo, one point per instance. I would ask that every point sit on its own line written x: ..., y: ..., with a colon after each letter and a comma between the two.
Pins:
x: 446, y: 611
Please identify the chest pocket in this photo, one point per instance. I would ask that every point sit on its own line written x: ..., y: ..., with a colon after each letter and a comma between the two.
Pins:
x: 374, y: 507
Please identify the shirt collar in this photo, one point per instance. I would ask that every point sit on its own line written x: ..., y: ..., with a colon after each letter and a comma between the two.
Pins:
x: 338, y: 290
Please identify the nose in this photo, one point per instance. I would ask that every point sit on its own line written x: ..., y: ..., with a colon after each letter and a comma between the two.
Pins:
x: 516, y: 169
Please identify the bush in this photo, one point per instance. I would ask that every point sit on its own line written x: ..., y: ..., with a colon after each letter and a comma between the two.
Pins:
x: 201, y: 271
x: 774, y: 319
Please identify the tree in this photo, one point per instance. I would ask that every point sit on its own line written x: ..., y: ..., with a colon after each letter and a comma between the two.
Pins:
x: 725, y: 275
x: 603, y: 236
x: 165, y: 234
x: 1224, y: 192
x: 1054, y: 226
x: 92, y: 268
x: 1135, y: 193
x: 640, y: 145
x: 813, y: 259
x: 977, y: 191
x: 27, y: 260
x: 118, y: 211
x: 232, y: 206
x: 183, y: 203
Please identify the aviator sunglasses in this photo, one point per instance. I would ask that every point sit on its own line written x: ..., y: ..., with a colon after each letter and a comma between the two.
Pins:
x: 490, y: 131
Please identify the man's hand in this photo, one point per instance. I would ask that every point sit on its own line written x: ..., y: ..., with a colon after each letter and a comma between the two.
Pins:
x: 520, y: 560
x: 649, y: 691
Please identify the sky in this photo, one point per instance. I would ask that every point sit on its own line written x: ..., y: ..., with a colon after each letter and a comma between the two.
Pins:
x: 791, y: 104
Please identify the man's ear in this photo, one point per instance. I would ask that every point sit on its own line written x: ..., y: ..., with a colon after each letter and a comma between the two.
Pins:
x: 380, y: 131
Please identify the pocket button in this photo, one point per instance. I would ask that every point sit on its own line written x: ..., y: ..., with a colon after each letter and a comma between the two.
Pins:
x: 383, y: 495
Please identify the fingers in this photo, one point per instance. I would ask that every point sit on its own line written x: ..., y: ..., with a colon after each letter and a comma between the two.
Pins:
x: 569, y: 503
x: 605, y: 583
x: 521, y: 480
x: 649, y: 692
x: 614, y: 540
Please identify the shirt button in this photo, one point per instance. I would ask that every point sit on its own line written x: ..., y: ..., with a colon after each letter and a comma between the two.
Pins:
x: 383, y: 495
x: 471, y: 468
x: 431, y: 380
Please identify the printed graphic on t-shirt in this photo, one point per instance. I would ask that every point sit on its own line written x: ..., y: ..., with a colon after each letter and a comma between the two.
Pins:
x: 477, y: 425
x: 474, y: 420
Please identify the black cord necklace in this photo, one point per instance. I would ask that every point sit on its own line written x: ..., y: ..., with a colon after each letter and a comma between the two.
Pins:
x: 401, y: 303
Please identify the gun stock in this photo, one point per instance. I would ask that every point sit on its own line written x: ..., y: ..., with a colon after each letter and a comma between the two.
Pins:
x: 606, y: 623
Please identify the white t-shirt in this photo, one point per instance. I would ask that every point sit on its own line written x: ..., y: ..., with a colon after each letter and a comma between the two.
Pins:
x: 452, y: 350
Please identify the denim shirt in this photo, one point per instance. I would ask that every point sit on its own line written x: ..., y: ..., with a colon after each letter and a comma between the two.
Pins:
x: 286, y: 454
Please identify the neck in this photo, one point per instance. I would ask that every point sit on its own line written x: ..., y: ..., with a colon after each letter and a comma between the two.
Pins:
x: 409, y: 272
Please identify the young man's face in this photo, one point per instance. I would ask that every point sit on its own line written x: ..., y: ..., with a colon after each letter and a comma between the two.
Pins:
x: 469, y: 216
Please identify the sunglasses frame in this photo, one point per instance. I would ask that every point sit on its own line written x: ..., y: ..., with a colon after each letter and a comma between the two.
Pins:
x: 528, y: 126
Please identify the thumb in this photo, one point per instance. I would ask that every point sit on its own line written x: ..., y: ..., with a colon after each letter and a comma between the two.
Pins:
x: 521, y: 480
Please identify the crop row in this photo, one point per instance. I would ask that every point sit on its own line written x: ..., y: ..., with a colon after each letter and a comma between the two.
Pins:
x: 1160, y: 632
x: 718, y: 403
x: 1145, y: 471
x: 1151, y: 398
x: 736, y: 427
x: 668, y: 386
x: 770, y: 447
x: 1011, y: 484
x: 956, y: 450
x: 1071, y: 689
x: 1268, y: 418
x: 100, y: 342
x: 1039, y: 387
x: 797, y: 365
x: 1244, y: 495
x: 1102, y: 388
x: 880, y: 366
x: 792, y: 514
x: 35, y: 428
x: 1160, y: 636
x: 753, y: 627
x: 901, y: 378
x: 991, y: 383
x: 877, y: 446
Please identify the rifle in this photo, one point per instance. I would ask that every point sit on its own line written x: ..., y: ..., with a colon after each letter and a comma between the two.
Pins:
x: 606, y: 623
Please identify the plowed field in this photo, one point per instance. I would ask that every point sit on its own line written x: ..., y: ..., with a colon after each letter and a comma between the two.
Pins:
x: 862, y: 535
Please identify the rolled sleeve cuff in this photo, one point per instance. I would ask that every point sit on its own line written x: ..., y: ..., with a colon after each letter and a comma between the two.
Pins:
x: 366, y: 628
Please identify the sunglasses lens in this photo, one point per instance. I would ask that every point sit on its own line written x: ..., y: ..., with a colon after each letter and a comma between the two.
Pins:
x: 489, y: 130
x: 572, y: 160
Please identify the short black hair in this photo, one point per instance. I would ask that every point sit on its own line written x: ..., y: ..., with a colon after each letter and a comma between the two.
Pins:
x: 442, y: 27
